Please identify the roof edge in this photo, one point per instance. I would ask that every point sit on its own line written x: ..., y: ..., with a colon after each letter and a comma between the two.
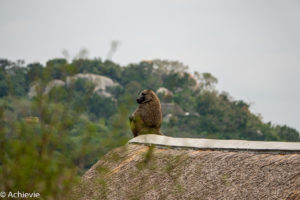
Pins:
x: 218, y: 145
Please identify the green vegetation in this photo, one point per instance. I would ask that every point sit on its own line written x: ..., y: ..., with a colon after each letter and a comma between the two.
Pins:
x: 47, y: 140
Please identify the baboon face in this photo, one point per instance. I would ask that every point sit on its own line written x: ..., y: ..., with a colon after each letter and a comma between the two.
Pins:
x: 145, y: 97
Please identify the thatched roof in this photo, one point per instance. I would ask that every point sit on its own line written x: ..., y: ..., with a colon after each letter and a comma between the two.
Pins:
x: 137, y: 171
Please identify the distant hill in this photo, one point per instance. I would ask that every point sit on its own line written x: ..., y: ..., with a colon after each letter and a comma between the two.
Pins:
x: 192, y: 107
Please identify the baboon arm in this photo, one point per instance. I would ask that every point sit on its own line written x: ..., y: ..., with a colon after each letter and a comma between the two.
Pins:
x: 130, y: 118
x: 133, y: 127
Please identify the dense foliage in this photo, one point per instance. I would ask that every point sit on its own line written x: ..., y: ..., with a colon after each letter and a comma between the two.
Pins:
x: 47, y: 140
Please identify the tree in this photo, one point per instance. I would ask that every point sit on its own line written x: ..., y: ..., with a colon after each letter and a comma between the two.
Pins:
x: 206, y: 81
x: 17, y: 80
x: 288, y: 134
x: 3, y: 84
x: 35, y: 72
x: 55, y: 68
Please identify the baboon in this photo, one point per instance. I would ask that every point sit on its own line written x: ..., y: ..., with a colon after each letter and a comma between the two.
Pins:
x: 147, y: 118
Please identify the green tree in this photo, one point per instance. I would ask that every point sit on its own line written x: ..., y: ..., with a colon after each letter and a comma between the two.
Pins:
x: 35, y: 72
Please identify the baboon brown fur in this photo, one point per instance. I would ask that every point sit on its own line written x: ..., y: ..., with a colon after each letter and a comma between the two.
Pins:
x: 147, y: 118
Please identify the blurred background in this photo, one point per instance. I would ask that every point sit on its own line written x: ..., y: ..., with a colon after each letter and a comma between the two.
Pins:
x: 70, y: 72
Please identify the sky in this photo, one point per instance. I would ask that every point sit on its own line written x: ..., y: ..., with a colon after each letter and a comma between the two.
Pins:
x: 252, y: 47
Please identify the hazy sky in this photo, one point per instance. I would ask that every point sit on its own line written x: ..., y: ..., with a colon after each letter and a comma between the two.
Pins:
x: 251, y: 46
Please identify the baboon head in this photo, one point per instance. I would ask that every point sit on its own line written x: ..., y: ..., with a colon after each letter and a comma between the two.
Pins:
x: 145, y: 97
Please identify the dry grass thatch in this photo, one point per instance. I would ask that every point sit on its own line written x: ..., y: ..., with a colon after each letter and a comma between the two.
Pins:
x: 142, y: 172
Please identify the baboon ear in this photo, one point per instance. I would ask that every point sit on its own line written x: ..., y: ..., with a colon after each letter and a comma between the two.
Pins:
x: 140, y: 91
x: 153, y: 93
